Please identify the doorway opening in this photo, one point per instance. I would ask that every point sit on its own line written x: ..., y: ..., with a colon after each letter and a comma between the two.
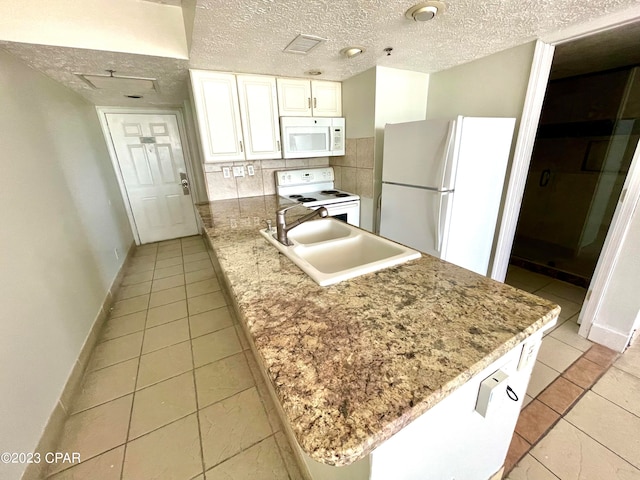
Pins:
x: 586, y: 138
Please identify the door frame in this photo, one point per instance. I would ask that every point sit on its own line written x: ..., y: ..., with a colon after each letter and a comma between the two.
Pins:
x: 102, y: 112
x: 536, y: 89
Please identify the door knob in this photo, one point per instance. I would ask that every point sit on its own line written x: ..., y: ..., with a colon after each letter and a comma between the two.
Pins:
x: 185, y: 183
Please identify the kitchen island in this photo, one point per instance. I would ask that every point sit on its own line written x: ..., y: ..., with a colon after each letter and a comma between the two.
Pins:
x: 354, y: 364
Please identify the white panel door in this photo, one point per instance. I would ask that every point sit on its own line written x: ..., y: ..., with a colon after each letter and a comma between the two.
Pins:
x: 294, y: 97
x: 259, y: 113
x: 149, y: 153
x: 327, y: 98
x: 216, y: 100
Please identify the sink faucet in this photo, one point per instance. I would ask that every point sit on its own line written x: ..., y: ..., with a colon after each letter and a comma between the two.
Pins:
x: 281, y: 224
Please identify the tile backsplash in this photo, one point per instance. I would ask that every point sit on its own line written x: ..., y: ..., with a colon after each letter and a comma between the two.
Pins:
x: 353, y: 172
x: 261, y: 183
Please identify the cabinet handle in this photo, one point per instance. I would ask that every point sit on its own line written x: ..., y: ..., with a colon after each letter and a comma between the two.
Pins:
x: 241, y: 147
x: 308, y: 102
x: 315, y: 102
x: 278, y: 144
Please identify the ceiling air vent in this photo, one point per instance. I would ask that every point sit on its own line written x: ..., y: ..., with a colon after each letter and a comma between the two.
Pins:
x: 302, y: 44
x: 127, y: 84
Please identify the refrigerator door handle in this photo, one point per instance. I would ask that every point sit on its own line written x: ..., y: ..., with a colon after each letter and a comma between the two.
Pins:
x: 439, y: 230
x: 446, y: 161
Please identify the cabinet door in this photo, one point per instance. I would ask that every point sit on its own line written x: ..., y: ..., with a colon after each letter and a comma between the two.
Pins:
x: 327, y: 98
x: 259, y: 113
x: 294, y: 97
x: 216, y: 102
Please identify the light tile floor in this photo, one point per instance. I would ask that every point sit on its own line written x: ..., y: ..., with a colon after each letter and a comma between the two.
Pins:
x: 599, y: 438
x: 172, y: 390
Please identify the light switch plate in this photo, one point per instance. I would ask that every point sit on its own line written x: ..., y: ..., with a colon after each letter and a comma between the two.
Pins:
x: 238, y: 171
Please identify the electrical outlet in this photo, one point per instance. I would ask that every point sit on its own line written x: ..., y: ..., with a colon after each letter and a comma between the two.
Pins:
x: 238, y: 171
x: 250, y: 170
x: 226, y: 172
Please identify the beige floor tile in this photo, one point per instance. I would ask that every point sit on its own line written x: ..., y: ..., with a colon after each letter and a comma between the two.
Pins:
x: 526, y: 401
x: 169, y: 262
x: 133, y: 290
x: 222, y: 379
x: 194, y: 248
x: 630, y: 360
x: 209, y: 321
x: 162, y: 403
x: 168, y: 282
x: 215, y: 346
x: 169, y: 295
x: 530, y: 469
x: 103, y: 467
x: 262, y: 460
x: 569, y: 308
x: 199, y: 265
x: 200, y: 275
x: 167, y: 272
x: 134, y: 269
x: 143, y: 260
x: 115, y: 351
x: 529, y: 280
x: 195, y: 257
x: 230, y: 426
x: 566, y: 290
x: 96, y: 430
x: 170, y: 253
x: 191, y: 240
x: 130, y: 305
x: 169, y: 453
x: 133, y: 278
x: 165, y: 363
x: 571, y: 454
x: 204, y: 286
x: 620, y: 388
x: 541, y: 376
x: 269, y: 407
x: 101, y: 386
x: 288, y: 456
x: 166, y: 313
x: 165, y: 335
x: 124, y: 325
x: 618, y: 433
x: 208, y: 301
x: 556, y: 354
x: 568, y: 333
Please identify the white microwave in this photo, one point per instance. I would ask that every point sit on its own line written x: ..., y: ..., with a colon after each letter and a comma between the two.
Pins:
x: 304, y: 137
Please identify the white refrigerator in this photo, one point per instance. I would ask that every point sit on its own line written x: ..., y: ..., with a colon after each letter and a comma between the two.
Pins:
x: 442, y: 182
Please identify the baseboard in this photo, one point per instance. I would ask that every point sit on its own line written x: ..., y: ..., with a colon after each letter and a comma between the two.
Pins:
x: 53, y: 429
x: 609, y: 338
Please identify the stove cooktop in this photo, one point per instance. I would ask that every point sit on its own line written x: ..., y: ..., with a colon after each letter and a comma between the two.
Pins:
x: 322, y: 197
x: 311, y: 187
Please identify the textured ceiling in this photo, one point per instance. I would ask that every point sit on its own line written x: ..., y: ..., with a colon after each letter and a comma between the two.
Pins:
x: 249, y: 36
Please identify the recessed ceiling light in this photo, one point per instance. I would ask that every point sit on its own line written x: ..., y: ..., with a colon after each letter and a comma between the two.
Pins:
x: 302, y: 44
x: 425, y: 11
x: 315, y: 73
x: 351, y: 52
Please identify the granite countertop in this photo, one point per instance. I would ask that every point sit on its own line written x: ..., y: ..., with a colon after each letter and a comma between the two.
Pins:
x: 355, y: 362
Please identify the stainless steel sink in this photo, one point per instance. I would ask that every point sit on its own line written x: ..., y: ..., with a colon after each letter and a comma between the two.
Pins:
x: 330, y: 251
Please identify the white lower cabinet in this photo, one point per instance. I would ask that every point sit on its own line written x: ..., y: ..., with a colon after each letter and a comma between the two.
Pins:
x: 237, y: 116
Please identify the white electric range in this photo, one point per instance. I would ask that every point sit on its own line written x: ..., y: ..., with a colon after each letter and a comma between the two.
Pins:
x: 314, y: 188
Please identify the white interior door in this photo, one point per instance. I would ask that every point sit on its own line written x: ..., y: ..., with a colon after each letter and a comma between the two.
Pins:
x: 149, y: 153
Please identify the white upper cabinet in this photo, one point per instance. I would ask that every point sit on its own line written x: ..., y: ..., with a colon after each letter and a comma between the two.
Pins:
x: 217, y: 108
x: 259, y: 113
x: 304, y: 98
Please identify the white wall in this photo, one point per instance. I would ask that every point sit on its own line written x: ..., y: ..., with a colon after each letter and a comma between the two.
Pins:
x: 141, y: 27
x: 62, y: 218
x: 620, y: 306
x: 491, y: 86
x: 358, y: 104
